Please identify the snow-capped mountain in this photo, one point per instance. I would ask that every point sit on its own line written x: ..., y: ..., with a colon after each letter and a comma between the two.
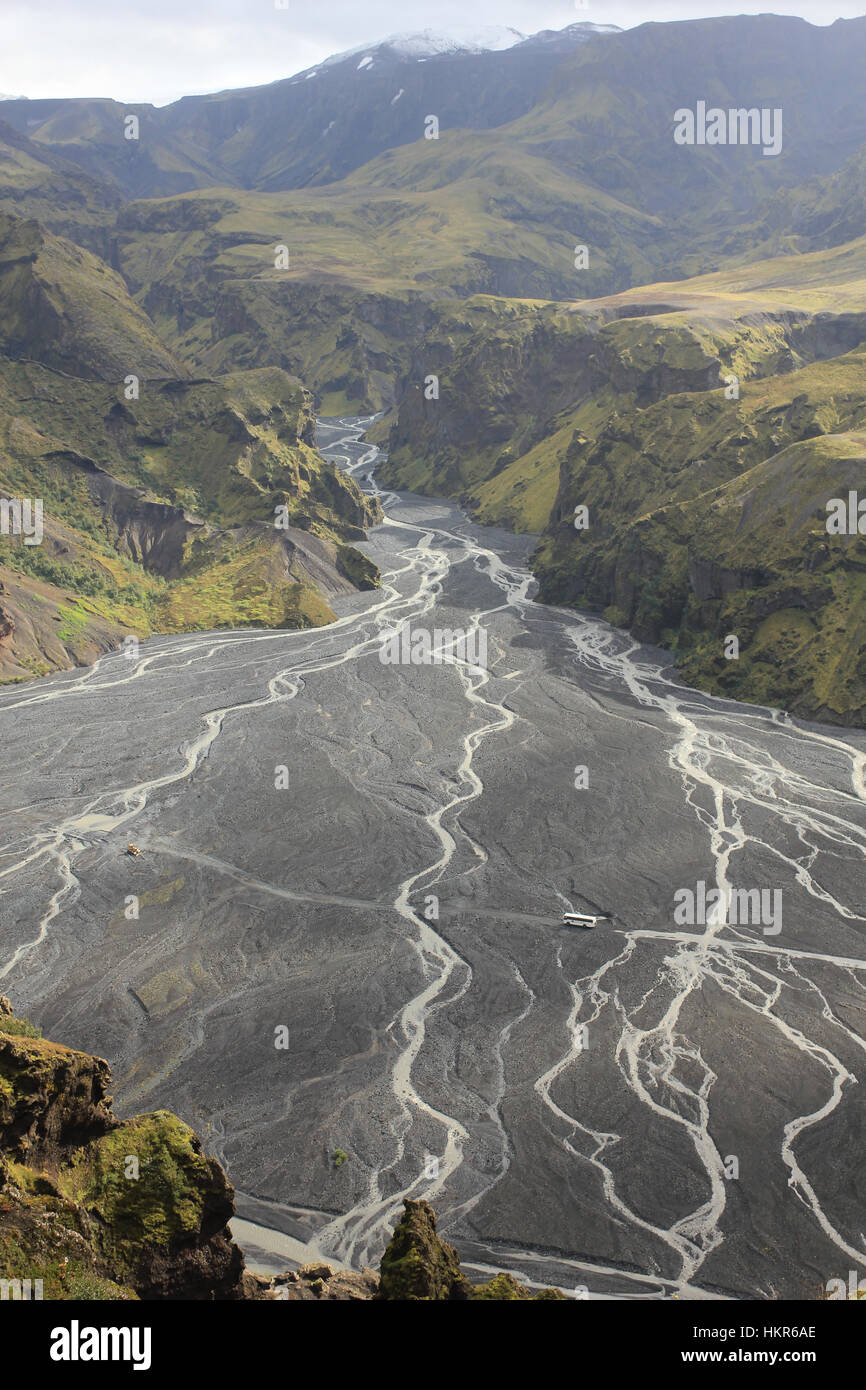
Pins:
x: 427, y: 43
x: 489, y: 38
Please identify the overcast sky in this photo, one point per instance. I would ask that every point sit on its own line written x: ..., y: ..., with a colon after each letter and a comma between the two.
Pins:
x: 158, y: 50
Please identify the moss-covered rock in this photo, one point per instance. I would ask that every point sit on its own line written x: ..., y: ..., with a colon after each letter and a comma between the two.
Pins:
x: 51, y: 1098
x: 158, y: 1207
x: 357, y: 568
x: 419, y: 1267
x: 95, y: 1206
x: 44, y: 1237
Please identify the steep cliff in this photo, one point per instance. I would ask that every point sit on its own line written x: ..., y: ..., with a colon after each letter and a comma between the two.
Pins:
x: 421, y: 1267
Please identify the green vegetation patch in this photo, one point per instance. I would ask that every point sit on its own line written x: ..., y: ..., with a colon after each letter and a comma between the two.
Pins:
x: 144, y: 1182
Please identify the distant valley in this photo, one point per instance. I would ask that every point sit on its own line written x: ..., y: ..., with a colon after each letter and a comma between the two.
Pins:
x: 408, y: 259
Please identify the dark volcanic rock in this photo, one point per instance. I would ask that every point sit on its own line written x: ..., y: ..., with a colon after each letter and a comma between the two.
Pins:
x: 418, y: 1265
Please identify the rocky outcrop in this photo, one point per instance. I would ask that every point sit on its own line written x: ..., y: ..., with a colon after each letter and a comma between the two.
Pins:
x: 314, y: 1283
x: 7, y: 622
x: 419, y: 1267
x: 129, y: 1208
x: 51, y: 1100
x: 152, y: 534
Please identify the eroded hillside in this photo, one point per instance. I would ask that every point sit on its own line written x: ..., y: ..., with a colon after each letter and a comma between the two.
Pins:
x: 705, y: 426
x: 167, y: 502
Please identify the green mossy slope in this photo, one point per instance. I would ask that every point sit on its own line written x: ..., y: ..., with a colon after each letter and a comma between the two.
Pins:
x: 705, y: 426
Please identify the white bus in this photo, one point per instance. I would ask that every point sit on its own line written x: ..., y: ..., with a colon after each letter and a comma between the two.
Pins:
x: 582, y: 919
